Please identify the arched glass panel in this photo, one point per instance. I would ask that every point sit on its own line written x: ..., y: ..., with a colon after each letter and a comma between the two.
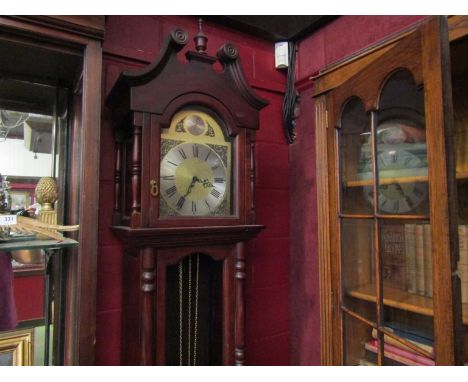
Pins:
x: 357, y: 244
x: 401, y: 148
x: 404, y: 245
x: 356, y: 159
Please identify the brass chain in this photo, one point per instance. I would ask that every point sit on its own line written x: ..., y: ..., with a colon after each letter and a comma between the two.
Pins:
x: 181, y: 289
x: 189, y: 314
x: 189, y: 307
x: 195, y: 335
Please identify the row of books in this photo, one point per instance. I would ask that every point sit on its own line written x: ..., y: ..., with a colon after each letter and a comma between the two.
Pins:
x: 396, y: 352
x: 418, y: 259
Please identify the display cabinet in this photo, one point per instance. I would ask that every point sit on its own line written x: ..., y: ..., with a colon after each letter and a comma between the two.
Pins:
x: 392, y: 177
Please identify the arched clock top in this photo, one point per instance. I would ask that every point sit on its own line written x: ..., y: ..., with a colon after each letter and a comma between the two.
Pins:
x: 154, y: 88
x: 228, y: 56
x: 172, y: 44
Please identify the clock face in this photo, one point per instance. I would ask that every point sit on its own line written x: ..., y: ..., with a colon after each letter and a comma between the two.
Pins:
x: 396, y: 192
x: 193, y: 179
x: 195, y: 167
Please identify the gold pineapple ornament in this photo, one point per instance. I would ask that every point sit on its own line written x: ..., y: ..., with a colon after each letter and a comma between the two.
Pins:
x: 46, y: 195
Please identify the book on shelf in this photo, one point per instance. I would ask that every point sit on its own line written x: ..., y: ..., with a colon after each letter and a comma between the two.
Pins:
x: 366, y: 362
x: 392, y: 244
x: 410, y: 255
x: 463, y: 261
x: 463, y: 244
x: 417, y: 334
x: 392, y: 341
x: 400, y: 355
x: 418, y: 260
x: 372, y: 358
x: 427, y: 250
x: 419, y: 251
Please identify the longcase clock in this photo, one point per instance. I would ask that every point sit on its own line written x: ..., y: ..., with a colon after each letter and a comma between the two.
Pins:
x: 184, y: 204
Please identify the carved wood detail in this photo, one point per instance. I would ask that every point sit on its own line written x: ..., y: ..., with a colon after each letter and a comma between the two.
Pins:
x: 185, y: 236
x: 148, y: 286
x: 117, y: 177
x: 240, y: 305
x: 252, y: 176
x: 136, y: 168
x: 326, y: 305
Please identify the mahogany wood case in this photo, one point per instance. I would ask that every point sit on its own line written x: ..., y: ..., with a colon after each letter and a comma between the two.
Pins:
x: 143, y: 103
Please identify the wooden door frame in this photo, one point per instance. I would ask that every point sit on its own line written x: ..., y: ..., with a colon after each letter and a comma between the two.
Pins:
x: 85, y: 34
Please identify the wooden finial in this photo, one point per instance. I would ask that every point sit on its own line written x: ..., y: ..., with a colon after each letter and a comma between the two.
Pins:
x: 200, y: 39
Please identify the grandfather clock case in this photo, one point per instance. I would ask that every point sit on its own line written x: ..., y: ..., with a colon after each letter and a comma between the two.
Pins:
x: 184, y: 208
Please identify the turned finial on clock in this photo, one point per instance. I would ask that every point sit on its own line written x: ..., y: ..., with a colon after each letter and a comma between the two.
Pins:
x: 200, y: 38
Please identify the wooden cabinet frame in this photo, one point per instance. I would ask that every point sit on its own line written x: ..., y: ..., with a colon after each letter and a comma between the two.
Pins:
x: 435, y: 61
x: 78, y: 35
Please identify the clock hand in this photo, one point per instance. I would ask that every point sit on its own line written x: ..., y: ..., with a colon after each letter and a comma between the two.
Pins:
x: 407, y: 198
x: 192, y: 183
x: 204, y: 182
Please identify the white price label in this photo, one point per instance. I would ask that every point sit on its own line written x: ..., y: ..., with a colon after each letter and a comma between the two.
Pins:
x: 8, y: 219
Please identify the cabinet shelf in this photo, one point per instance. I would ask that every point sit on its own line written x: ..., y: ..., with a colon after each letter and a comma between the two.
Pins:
x: 397, y: 298
x: 400, y: 180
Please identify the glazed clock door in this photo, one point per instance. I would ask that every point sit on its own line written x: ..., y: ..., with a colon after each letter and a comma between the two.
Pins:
x: 390, y: 128
x: 195, y: 167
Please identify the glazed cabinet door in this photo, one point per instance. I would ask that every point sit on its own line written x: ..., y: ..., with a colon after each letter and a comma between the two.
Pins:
x: 393, y: 230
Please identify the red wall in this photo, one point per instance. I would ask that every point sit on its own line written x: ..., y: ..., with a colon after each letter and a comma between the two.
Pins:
x: 340, y: 38
x: 133, y: 41
x: 29, y: 296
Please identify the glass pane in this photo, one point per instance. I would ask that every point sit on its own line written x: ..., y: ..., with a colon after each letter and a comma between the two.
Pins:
x: 357, y: 267
x: 406, y: 264
x: 358, y: 343
x: 460, y: 108
x: 356, y: 160
x: 33, y: 125
x: 401, y: 148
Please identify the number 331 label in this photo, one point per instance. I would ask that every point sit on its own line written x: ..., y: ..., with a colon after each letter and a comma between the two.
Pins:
x: 7, y: 219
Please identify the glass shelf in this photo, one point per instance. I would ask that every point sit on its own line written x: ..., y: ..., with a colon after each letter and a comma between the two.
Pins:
x: 37, y: 244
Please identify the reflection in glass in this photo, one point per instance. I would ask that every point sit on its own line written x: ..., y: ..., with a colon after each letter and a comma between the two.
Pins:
x: 460, y: 109
x: 356, y: 159
x: 358, y: 343
x: 357, y: 265
x: 401, y: 148
x: 27, y: 149
x: 33, y: 122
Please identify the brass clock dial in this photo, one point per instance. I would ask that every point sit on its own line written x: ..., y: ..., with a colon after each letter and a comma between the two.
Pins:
x: 193, y: 179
